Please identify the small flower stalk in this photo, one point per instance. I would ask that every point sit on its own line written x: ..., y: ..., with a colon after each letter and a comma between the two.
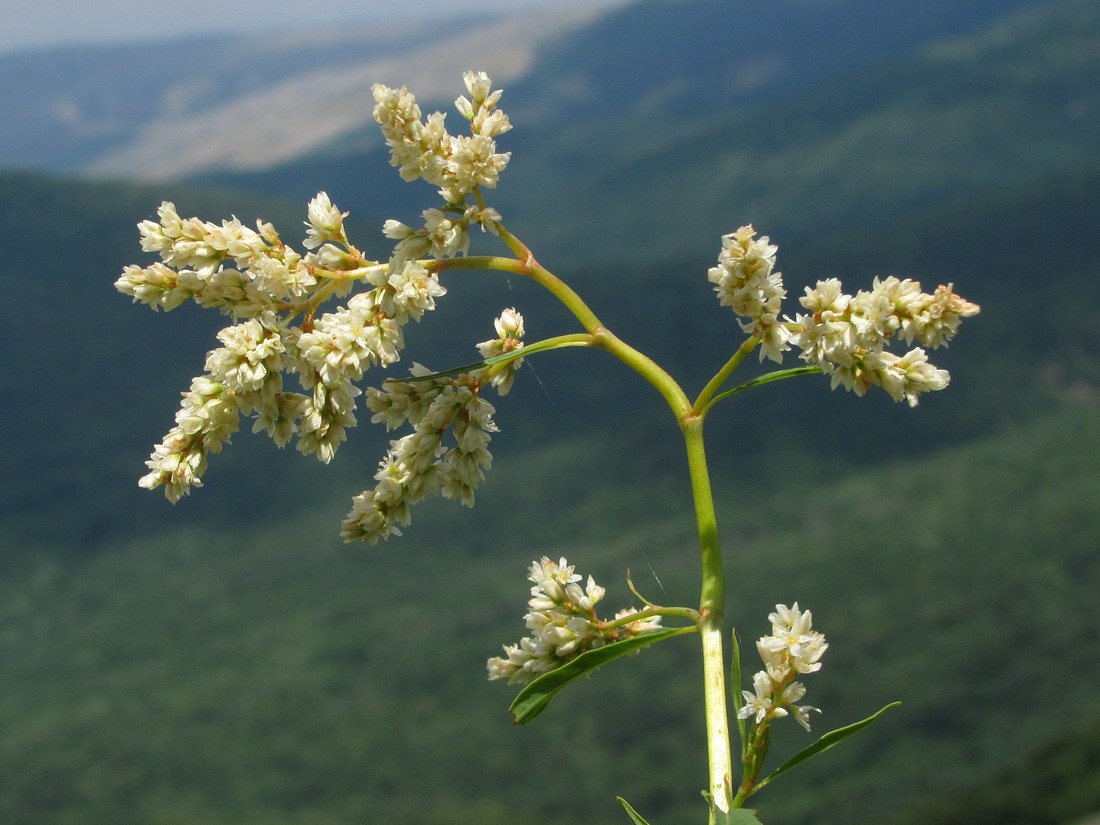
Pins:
x: 306, y: 328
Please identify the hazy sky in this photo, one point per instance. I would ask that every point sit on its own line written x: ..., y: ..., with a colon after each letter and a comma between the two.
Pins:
x: 38, y: 23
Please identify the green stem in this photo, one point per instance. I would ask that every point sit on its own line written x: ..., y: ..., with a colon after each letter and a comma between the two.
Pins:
x: 711, y: 619
x: 676, y: 612
x: 720, y: 377
x: 753, y: 761
x: 711, y: 604
x: 602, y: 337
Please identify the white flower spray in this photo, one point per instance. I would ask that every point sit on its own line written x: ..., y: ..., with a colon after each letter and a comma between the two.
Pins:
x: 296, y: 367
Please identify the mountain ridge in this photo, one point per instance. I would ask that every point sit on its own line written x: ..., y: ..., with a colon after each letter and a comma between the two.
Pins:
x: 237, y: 103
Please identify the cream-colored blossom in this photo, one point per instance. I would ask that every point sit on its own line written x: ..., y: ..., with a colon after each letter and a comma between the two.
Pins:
x: 424, y: 149
x: 746, y: 282
x: 846, y: 336
x: 792, y: 648
x: 325, y: 223
x: 422, y: 462
x: 510, y: 332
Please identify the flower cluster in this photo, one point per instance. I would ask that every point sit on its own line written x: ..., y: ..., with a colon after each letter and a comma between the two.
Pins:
x: 509, y: 327
x: 845, y: 336
x: 253, y: 275
x: 241, y: 271
x: 424, y: 149
x: 793, y: 648
x: 746, y: 282
x: 458, y: 164
x: 563, y: 624
x: 420, y: 462
x: 274, y: 295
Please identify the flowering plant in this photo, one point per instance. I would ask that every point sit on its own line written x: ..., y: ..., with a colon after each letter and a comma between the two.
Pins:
x: 274, y: 296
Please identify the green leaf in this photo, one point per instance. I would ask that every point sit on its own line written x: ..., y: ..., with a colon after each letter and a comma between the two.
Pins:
x: 829, y: 740
x: 534, y: 698
x: 531, y: 349
x: 735, y: 690
x: 767, y: 378
x: 635, y: 817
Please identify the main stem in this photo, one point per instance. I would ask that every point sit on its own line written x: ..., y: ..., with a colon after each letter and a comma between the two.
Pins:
x: 712, y: 598
x: 711, y: 619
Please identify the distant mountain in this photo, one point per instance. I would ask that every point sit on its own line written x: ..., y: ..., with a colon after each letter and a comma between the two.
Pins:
x: 248, y: 103
x: 1010, y: 103
x: 691, y: 58
x: 177, y: 108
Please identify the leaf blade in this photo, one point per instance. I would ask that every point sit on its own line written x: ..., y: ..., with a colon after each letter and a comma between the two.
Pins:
x: 826, y: 742
x: 735, y: 679
x: 635, y: 817
x: 533, y: 699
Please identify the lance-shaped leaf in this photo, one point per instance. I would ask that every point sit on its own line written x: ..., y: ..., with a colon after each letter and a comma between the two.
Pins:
x: 735, y: 689
x: 767, y: 378
x: 635, y: 817
x: 534, y: 698
x: 829, y: 740
x: 573, y: 340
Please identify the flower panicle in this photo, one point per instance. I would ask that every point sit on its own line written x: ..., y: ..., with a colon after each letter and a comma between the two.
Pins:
x: 844, y: 335
x: 423, y: 148
x: 563, y: 623
x: 265, y: 286
x: 274, y: 296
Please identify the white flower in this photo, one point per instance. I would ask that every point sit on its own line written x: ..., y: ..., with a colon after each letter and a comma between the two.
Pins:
x: 509, y: 327
x: 845, y: 336
x: 343, y: 344
x: 399, y: 116
x: 478, y: 85
x: 456, y: 164
x: 207, y: 418
x: 156, y: 285
x: 250, y: 353
x: 473, y: 162
x: 326, y: 222
x: 488, y: 218
x: 905, y: 377
x: 758, y: 702
x: 447, y: 237
x: 412, y: 292
x: 793, y: 634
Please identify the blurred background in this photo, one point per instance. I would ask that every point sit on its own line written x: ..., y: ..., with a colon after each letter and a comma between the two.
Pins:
x: 228, y: 660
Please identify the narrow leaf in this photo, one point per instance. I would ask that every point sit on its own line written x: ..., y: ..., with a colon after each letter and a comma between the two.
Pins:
x: 829, y: 740
x: 735, y: 689
x: 578, y: 340
x: 534, y: 698
x: 767, y: 378
x: 635, y: 817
